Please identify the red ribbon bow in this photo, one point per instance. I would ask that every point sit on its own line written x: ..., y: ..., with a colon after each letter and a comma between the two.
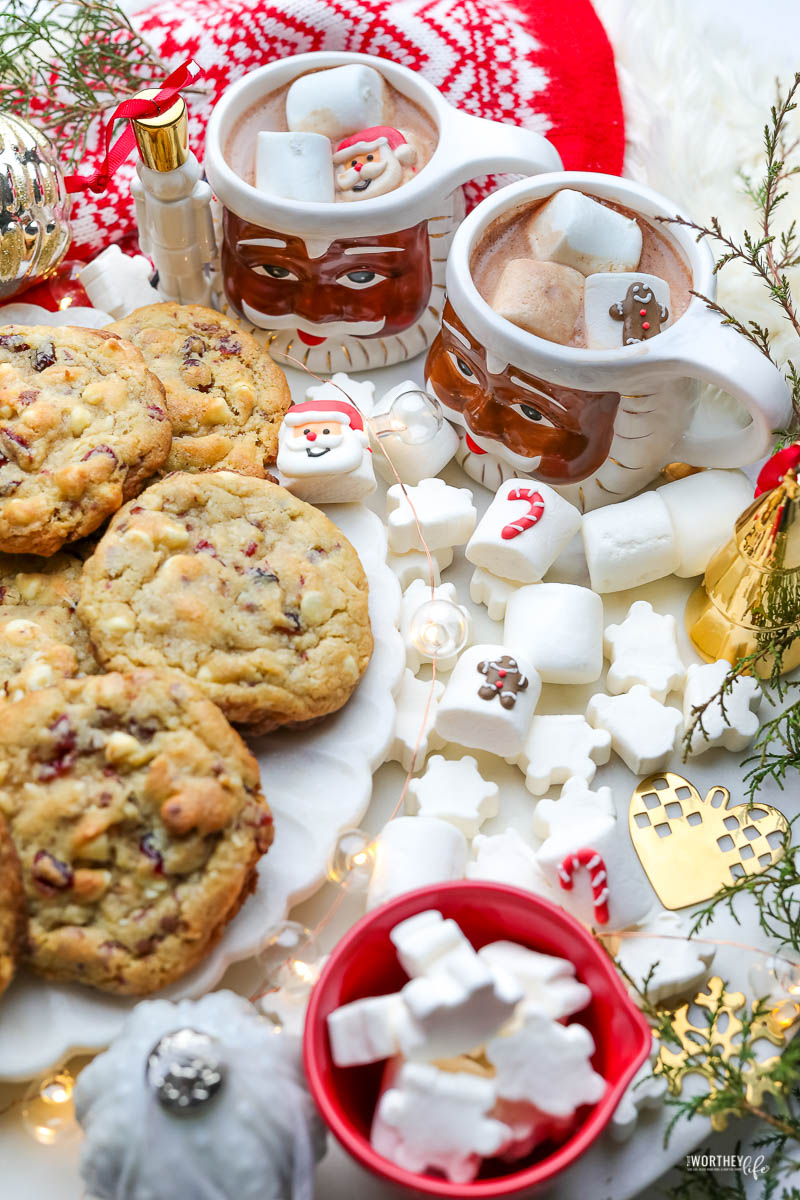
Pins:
x: 128, y: 110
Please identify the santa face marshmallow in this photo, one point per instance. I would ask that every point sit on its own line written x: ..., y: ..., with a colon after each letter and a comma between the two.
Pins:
x: 324, y: 454
x: 372, y: 162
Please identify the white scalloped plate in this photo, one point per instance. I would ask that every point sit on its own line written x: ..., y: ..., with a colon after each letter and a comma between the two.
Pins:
x: 318, y: 782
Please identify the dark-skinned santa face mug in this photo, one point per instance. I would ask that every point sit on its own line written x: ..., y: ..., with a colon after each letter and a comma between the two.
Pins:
x: 335, y: 238
x: 584, y: 370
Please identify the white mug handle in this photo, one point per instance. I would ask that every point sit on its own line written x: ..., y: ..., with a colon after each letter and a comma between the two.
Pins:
x: 708, y: 350
x: 473, y: 146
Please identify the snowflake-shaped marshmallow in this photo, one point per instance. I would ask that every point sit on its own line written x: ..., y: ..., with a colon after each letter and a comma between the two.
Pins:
x: 731, y: 722
x: 416, y: 565
x: 672, y: 964
x: 559, y: 747
x: 643, y: 649
x: 491, y: 590
x: 643, y: 732
x: 547, y: 1064
x: 455, y: 791
x: 417, y: 594
x: 340, y: 386
x: 577, y: 806
x: 645, y: 1090
x: 412, y: 729
x: 549, y: 983
x: 506, y: 858
x: 446, y: 516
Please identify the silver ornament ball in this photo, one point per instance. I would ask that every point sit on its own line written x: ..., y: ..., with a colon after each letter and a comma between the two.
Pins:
x: 185, y: 1070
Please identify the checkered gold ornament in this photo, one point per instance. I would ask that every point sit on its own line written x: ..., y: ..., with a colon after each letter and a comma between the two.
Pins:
x: 690, y: 847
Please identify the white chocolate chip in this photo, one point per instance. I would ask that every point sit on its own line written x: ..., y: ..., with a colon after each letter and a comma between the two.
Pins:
x: 138, y: 539
x: 121, y: 623
x: 18, y: 632
x: 172, y: 535
x: 79, y: 419
x: 122, y: 748
x: 314, y: 608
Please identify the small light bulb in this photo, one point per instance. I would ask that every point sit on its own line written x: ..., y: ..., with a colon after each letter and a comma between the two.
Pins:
x: 48, y: 1110
x: 352, y: 860
x: 290, y: 958
x: 439, y: 629
x: 415, y: 417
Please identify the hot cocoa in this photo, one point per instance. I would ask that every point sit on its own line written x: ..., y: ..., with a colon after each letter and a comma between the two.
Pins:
x: 581, y: 271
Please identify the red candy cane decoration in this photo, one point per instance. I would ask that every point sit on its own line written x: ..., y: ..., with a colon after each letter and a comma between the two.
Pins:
x: 535, y: 512
x: 597, y: 874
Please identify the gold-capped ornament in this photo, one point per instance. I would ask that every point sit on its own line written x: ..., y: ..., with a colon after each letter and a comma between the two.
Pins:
x: 34, y: 207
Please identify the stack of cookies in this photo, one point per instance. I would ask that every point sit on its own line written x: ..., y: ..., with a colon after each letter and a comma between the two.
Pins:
x: 131, y: 813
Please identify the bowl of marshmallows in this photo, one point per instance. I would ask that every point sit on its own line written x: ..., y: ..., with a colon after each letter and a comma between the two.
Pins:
x: 470, y: 1040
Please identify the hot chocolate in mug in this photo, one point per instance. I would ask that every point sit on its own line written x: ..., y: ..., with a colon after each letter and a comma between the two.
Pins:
x: 345, y: 286
x: 597, y: 424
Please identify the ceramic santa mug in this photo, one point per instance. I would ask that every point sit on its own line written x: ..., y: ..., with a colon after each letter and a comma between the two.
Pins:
x: 344, y: 286
x: 597, y: 424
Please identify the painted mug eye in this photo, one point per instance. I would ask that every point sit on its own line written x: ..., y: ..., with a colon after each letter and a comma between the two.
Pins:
x: 462, y: 367
x: 360, y: 279
x: 533, y: 414
x: 273, y: 271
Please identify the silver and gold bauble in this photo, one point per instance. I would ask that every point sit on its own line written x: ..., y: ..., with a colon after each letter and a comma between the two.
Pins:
x: 34, y: 207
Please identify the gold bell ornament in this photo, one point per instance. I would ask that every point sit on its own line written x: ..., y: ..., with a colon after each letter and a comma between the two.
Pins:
x: 751, y: 589
x: 34, y: 207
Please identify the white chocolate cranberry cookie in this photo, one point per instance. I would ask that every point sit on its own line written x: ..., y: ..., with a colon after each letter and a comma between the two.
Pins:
x: 225, y: 396
x: 12, y: 908
x: 234, y: 581
x: 138, y: 819
x: 82, y: 425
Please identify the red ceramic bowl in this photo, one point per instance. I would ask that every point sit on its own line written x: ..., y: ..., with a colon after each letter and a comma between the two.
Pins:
x: 364, y: 963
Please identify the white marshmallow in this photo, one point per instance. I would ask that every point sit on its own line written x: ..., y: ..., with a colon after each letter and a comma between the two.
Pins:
x: 582, y: 804
x: 415, y: 595
x: 491, y: 590
x: 630, y: 543
x: 732, y: 722
x: 454, y: 791
x: 295, y: 166
x: 549, y: 983
x: 645, y: 1091
x: 118, y: 283
x: 547, y: 1064
x: 423, y: 940
x: 415, y: 565
x: 413, y: 732
x: 413, y: 461
x: 457, y: 1007
x: 704, y: 509
x: 543, y: 298
x: 413, y: 852
x: 672, y: 963
x: 506, y: 858
x: 523, y: 531
x: 365, y: 1031
x: 446, y: 516
x: 337, y: 102
x: 438, y: 1120
x: 607, y: 288
x: 529, y: 1127
x: 489, y: 700
x: 559, y: 629
x: 582, y: 233
x: 560, y: 747
x: 643, y: 732
x: 360, y: 392
x: 644, y: 649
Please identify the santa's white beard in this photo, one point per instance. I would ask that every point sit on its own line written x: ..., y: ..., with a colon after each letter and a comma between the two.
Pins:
x: 342, y: 453
x: 383, y: 177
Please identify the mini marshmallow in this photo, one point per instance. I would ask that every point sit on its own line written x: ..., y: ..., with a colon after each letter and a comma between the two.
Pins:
x: 673, y: 965
x: 416, y: 565
x: 643, y: 732
x: 606, y: 299
x: 543, y: 298
x: 523, y: 531
x: 295, y: 166
x: 630, y: 543
x: 506, y: 858
x: 645, y: 1091
x: 582, y: 804
x: 413, y: 461
x: 412, y: 734
x: 644, y: 649
x: 365, y: 1031
x: 413, y: 852
x: 415, y: 595
x: 454, y: 791
x: 489, y: 700
x: 424, y: 940
x: 559, y: 629
x: 582, y: 233
x: 546, y: 1064
x: 445, y: 514
x: 549, y: 983
x: 731, y: 722
x: 560, y: 747
x: 457, y: 1007
x: 337, y: 102
x: 438, y: 1120
x: 488, y: 589
x: 704, y: 509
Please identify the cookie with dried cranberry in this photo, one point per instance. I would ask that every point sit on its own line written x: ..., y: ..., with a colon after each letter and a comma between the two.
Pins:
x: 225, y: 396
x: 12, y: 908
x: 82, y: 426
x: 234, y: 581
x: 138, y: 818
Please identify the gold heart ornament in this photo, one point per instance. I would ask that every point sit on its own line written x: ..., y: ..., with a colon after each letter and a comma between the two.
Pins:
x: 690, y: 847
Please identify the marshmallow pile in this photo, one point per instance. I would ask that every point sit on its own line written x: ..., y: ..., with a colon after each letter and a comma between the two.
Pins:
x: 481, y: 1061
x: 583, y: 260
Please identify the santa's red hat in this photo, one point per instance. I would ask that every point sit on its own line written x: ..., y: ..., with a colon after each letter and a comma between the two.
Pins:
x: 372, y: 139
x: 325, y: 410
